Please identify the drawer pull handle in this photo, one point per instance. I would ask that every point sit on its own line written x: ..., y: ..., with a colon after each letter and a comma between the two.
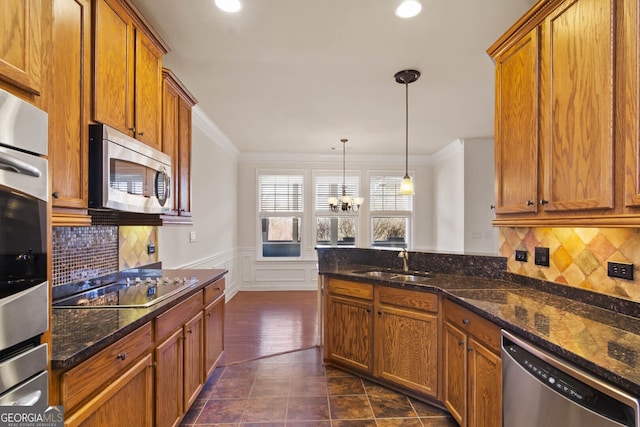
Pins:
x: 465, y: 321
x: 122, y: 355
x: 530, y: 203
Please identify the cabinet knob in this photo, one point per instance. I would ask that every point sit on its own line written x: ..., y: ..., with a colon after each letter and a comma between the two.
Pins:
x: 379, y: 313
x: 469, y: 349
x: 544, y: 202
x: 189, y: 331
x: 122, y: 355
x: 460, y: 342
x: 493, y: 207
x: 141, y: 133
x: 368, y: 310
x: 529, y: 203
x: 465, y: 321
x: 208, y: 314
x: 55, y: 195
x: 133, y: 129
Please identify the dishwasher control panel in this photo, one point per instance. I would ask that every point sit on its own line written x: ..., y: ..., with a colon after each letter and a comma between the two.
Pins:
x: 563, y: 379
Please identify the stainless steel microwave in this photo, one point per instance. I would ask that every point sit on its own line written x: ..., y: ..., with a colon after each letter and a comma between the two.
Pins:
x: 127, y: 175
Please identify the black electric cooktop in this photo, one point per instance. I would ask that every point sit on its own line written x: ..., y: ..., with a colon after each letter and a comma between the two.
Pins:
x: 137, y: 289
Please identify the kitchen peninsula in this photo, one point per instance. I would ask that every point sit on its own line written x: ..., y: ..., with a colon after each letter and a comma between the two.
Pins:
x: 465, y: 299
x: 157, y: 357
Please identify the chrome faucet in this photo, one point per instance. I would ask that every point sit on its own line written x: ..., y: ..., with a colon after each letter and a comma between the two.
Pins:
x: 404, y: 254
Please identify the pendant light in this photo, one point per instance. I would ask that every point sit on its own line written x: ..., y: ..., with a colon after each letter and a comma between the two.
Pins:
x: 405, y: 77
x: 344, y: 203
x: 408, y: 8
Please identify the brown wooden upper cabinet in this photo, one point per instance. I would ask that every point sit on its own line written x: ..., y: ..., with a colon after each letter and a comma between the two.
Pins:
x: 177, y: 103
x: 127, y: 72
x: 565, y: 73
x: 20, y: 44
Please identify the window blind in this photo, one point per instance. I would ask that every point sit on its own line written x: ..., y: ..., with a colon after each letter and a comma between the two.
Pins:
x: 384, y: 195
x: 331, y: 186
x: 280, y: 193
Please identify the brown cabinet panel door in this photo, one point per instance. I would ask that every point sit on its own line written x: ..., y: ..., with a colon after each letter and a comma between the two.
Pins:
x: 407, y: 352
x: 577, y: 108
x: 516, y: 127
x: 169, y: 375
x: 455, y: 373
x: 214, y: 334
x: 69, y: 91
x: 21, y: 43
x: 113, y: 66
x: 485, y: 388
x: 630, y: 106
x: 193, y: 363
x: 148, y: 92
x: 170, y: 101
x: 350, y: 333
x: 184, y: 159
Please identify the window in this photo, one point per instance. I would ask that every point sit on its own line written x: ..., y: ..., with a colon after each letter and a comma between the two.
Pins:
x: 280, y: 207
x: 334, y: 228
x: 391, y: 214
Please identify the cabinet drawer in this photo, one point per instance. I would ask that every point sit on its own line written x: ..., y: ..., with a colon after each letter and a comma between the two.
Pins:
x: 212, y: 291
x: 351, y: 289
x: 485, y: 331
x: 84, y: 379
x: 177, y: 316
x: 405, y: 298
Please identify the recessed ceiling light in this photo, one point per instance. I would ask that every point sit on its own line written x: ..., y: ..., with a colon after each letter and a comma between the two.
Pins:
x: 408, y: 8
x: 229, y: 5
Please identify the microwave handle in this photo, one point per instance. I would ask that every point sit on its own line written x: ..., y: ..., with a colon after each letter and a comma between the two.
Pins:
x: 10, y: 163
x: 167, y: 185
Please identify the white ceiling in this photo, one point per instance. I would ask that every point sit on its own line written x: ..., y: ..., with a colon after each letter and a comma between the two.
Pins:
x: 296, y: 76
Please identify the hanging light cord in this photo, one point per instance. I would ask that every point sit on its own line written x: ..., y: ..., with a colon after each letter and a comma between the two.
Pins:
x: 344, y: 186
x: 406, y: 126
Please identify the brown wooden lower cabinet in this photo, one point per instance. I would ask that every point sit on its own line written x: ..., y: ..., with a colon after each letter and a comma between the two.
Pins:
x: 472, y: 368
x: 153, y: 375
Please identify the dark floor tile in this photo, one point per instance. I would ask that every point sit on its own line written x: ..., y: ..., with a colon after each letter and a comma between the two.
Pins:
x: 308, y: 409
x: 233, y: 388
x: 308, y: 424
x: 354, y: 423
x: 332, y: 371
x: 243, y: 370
x: 194, y: 411
x: 221, y: 411
x: 349, y: 407
x: 265, y: 410
x: 398, y: 422
x: 274, y: 370
x: 315, y: 386
x: 397, y: 406
x: 345, y: 385
x: 439, y: 422
x: 270, y: 387
x: 426, y: 410
x: 376, y: 390
x: 268, y: 424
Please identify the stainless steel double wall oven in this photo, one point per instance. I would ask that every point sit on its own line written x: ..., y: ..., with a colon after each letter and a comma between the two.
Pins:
x: 24, y: 290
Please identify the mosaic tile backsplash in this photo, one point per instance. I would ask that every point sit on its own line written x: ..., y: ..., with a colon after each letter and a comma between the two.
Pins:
x: 577, y: 256
x: 81, y: 253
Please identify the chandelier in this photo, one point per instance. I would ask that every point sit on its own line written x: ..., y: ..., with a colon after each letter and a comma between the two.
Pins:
x: 344, y: 203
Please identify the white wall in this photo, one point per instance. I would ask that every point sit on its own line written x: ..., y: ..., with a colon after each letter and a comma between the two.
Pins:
x: 480, y: 236
x: 448, y: 170
x: 214, y: 187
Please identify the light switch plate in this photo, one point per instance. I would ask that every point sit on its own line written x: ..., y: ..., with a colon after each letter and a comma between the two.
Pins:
x: 192, y: 236
x: 541, y: 256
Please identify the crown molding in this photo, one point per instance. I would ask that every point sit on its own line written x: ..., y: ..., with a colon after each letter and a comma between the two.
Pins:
x: 206, y: 125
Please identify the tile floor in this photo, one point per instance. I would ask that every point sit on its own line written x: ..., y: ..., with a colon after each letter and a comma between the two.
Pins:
x: 296, y: 389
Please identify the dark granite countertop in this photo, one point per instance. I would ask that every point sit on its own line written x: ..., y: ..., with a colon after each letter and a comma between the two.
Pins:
x: 598, y: 340
x: 79, y: 333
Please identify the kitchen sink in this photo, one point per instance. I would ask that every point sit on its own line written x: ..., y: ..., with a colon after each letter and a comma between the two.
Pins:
x: 404, y: 276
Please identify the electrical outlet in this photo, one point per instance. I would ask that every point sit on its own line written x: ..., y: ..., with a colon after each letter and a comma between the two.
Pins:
x: 541, y: 256
x: 151, y: 248
x: 521, y: 256
x: 620, y: 270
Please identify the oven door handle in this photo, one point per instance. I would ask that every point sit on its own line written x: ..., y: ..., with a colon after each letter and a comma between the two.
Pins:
x: 10, y: 163
x: 28, y: 400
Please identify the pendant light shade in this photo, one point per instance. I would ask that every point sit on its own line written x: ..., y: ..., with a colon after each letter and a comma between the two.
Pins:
x: 405, y: 77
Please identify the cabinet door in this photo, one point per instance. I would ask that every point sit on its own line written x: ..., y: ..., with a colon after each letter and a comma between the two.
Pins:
x: 148, y: 92
x: 455, y: 373
x: 113, y: 66
x: 350, y: 332
x: 169, y: 381
x: 214, y: 334
x: 128, y: 401
x: 630, y: 108
x: 406, y: 349
x: 183, y: 174
x: 485, y: 386
x: 516, y: 127
x: 193, y: 359
x: 20, y: 43
x: 170, y: 102
x: 69, y: 90
x: 577, y: 105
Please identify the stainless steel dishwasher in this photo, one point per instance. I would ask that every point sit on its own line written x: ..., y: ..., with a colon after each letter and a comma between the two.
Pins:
x: 540, y: 390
